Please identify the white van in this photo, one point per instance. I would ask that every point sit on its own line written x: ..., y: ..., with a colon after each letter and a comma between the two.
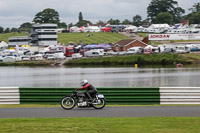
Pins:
x: 94, y: 53
x: 135, y: 50
x: 59, y: 55
x: 182, y: 49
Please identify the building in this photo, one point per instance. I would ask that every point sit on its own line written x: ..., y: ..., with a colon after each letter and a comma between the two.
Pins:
x: 124, y: 45
x: 18, y: 40
x: 43, y: 34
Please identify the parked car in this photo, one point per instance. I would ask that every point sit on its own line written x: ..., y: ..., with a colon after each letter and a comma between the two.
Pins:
x: 50, y: 56
x: 94, y: 53
x: 25, y: 58
x: 59, y: 55
x: 39, y: 57
x: 1, y: 58
x: 182, y: 49
x: 135, y: 50
x: 168, y: 50
x: 122, y: 53
x: 76, y: 55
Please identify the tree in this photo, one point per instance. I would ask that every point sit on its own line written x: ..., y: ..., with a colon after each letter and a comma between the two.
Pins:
x: 70, y: 25
x: 194, y: 15
x: 7, y: 30
x: 82, y: 23
x: 137, y: 20
x: 195, y: 18
x: 163, y: 18
x: 160, y: 6
x: 62, y: 25
x: 101, y: 23
x: 25, y: 27
x: 80, y: 16
x: 126, y: 22
x: 14, y: 30
x: 1, y: 29
x: 47, y: 16
x: 195, y: 7
x: 114, y: 22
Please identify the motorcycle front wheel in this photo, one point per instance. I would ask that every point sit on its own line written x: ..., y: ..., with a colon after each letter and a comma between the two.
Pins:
x: 68, y: 103
x: 101, y: 103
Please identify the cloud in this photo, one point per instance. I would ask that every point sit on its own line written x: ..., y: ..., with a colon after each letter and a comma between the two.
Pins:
x: 13, y: 13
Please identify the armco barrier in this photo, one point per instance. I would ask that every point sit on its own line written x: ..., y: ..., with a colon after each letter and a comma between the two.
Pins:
x: 140, y: 95
x: 179, y: 95
x: 9, y: 95
x: 114, y: 95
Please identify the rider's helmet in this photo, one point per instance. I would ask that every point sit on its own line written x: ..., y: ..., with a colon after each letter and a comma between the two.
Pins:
x: 83, y: 82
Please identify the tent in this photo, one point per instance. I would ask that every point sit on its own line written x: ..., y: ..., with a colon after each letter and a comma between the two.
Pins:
x: 3, y: 45
x: 99, y: 46
x: 158, y: 26
x: 25, y: 46
x: 104, y: 46
x: 91, y: 46
x: 106, y: 29
x: 131, y: 28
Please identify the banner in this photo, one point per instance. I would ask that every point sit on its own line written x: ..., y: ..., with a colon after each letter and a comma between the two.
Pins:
x: 154, y: 37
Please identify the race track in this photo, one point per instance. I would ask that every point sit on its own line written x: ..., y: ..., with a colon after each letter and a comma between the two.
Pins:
x: 134, y: 111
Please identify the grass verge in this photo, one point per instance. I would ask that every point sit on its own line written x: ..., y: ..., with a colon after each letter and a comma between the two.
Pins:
x: 28, y: 63
x: 153, y: 59
x: 58, y: 105
x: 102, y: 125
x: 95, y: 37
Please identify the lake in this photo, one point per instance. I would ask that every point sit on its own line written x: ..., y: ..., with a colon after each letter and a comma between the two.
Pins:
x: 99, y: 77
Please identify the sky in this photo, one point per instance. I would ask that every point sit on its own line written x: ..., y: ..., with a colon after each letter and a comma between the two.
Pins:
x: 13, y: 13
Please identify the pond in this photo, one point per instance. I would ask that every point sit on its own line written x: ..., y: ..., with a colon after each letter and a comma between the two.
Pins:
x: 99, y: 77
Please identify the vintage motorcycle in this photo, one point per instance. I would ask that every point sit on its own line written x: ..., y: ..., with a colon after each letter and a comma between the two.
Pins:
x: 81, y: 100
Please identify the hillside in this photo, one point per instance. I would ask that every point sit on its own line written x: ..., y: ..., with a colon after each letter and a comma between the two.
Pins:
x: 77, y: 37
x: 153, y: 59
x: 92, y: 38
x: 4, y: 36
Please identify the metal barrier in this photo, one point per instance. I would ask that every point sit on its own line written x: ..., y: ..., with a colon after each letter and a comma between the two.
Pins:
x: 114, y: 95
x: 9, y: 95
x: 179, y: 95
x: 140, y: 95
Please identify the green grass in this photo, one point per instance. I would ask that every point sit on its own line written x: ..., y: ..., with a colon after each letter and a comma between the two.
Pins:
x: 142, y: 34
x: 28, y: 63
x: 77, y: 37
x: 5, y: 36
x: 192, y: 56
x: 101, y: 125
x: 153, y: 59
x: 96, y: 38
x: 58, y: 105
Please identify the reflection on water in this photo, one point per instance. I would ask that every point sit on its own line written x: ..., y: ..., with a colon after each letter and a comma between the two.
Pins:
x: 100, y: 77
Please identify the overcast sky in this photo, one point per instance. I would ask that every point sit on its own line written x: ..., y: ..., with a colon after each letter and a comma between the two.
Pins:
x: 13, y: 13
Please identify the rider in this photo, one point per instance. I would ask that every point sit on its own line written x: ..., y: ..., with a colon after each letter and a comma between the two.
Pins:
x: 90, y: 89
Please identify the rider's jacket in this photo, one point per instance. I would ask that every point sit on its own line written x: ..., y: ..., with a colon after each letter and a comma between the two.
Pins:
x: 88, y: 87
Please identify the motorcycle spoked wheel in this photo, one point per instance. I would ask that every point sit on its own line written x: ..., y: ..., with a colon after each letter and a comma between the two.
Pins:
x: 101, y: 105
x: 68, y: 103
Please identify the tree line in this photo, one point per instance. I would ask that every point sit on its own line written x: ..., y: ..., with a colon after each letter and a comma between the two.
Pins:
x: 158, y: 12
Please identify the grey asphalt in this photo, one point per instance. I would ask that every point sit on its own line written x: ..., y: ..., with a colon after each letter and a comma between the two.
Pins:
x: 136, y: 111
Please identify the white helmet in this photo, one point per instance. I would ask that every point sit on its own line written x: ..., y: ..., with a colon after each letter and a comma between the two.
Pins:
x: 83, y: 82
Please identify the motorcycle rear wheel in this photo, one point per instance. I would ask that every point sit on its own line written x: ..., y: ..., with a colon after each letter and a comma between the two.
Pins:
x: 101, y: 105
x: 68, y: 103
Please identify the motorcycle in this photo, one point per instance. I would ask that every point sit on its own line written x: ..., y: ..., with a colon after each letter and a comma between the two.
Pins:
x: 81, y: 100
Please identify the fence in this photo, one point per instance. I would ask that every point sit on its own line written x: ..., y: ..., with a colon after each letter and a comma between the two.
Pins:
x: 9, y: 95
x: 114, y: 95
x: 179, y: 95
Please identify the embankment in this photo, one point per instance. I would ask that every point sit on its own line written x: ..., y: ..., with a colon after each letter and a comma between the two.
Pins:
x: 153, y: 59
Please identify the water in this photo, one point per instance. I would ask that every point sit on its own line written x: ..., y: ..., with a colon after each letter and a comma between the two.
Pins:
x: 100, y: 77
